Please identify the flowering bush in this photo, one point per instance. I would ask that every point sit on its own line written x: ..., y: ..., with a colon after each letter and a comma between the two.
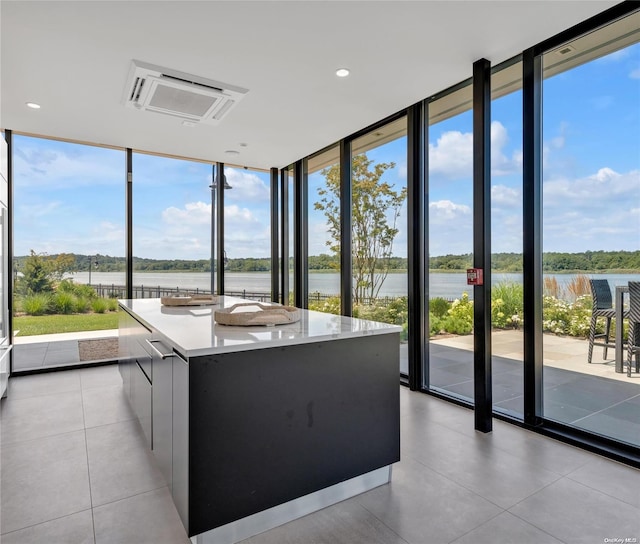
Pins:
x: 460, y: 316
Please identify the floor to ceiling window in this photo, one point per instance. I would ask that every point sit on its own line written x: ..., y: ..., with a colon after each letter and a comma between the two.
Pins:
x: 247, y: 238
x: 379, y: 228
x: 591, y: 222
x: 171, y: 226
x: 324, y: 231
x: 69, y: 251
x: 506, y: 240
x: 450, y: 234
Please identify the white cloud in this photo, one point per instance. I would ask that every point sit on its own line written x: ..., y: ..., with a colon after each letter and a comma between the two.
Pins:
x: 193, y: 213
x: 595, y: 212
x: 635, y: 74
x: 246, y: 187
x: 445, y: 210
x: 37, y: 165
x: 452, y: 155
x: 503, y: 196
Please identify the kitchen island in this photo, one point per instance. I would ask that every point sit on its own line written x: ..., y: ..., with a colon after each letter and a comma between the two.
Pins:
x: 255, y: 426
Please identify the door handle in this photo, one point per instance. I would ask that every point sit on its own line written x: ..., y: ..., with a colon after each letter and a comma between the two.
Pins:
x: 162, y: 355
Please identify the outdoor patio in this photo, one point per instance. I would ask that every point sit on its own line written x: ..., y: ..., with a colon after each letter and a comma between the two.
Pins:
x: 593, y: 396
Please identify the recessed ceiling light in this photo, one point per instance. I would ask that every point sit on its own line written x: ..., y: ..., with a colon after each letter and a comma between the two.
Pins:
x: 187, y: 123
x: 342, y: 72
x: 33, y: 105
x: 232, y: 152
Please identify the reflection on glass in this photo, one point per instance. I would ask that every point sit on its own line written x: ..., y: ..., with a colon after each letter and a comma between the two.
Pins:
x: 591, y: 188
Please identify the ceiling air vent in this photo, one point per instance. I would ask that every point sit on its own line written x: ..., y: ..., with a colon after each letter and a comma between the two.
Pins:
x: 565, y: 50
x: 196, y: 99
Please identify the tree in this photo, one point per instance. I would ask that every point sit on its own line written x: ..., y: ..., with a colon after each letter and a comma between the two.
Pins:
x: 375, y: 208
x: 35, y: 275
x: 59, y: 265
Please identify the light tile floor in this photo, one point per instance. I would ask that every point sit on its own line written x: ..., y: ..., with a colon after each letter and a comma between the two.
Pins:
x: 75, y: 469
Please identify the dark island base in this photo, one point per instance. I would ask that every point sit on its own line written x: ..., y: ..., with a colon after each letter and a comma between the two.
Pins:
x: 272, y: 425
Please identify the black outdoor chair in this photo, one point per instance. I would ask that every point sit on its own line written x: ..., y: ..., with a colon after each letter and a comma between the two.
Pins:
x: 602, y: 307
x: 633, y: 346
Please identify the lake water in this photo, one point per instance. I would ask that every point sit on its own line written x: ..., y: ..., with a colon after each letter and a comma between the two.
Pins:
x: 448, y: 285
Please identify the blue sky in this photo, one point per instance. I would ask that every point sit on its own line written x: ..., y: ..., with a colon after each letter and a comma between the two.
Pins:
x: 70, y: 197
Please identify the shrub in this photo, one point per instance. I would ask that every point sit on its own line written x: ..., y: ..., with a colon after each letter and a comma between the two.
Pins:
x: 439, y: 306
x: 99, y: 305
x: 64, y: 302
x: 112, y: 304
x: 506, y: 305
x: 82, y: 305
x: 460, y: 316
x: 328, y: 306
x: 436, y: 324
x: 77, y: 289
x: 37, y: 304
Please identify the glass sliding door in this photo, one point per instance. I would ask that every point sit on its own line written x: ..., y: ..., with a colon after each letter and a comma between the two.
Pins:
x: 591, y: 225
x: 247, y: 234
x: 324, y: 231
x: 379, y: 228
x: 450, y: 235
x: 69, y: 252
x: 171, y: 226
x: 506, y: 241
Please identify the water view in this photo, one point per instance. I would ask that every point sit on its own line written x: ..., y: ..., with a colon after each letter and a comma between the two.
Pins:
x: 449, y: 285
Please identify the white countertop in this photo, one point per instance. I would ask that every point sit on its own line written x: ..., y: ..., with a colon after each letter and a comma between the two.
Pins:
x: 193, y: 331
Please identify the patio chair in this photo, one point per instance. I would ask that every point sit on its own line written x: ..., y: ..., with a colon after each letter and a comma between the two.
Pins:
x: 602, y: 307
x: 633, y: 346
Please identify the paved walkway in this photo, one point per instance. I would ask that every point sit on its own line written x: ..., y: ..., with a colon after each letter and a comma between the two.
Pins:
x: 562, y: 352
x: 50, y: 350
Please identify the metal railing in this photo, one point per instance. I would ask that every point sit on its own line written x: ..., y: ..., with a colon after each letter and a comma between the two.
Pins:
x: 157, y: 291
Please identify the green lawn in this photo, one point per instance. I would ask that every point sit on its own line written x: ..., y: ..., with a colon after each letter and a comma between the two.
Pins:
x: 31, y: 325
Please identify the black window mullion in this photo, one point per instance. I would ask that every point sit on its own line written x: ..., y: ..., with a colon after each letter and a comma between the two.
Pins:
x: 219, y: 183
x: 275, y: 280
x: 417, y: 221
x: 284, y: 238
x: 346, y: 263
x: 301, y: 250
x: 483, y: 398
x: 129, y: 221
x: 532, y: 234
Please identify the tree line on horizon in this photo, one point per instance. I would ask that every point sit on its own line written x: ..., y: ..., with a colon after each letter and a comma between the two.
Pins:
x: 503, y: 262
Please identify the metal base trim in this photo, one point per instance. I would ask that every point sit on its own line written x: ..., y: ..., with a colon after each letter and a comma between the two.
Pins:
x: 283, y: 513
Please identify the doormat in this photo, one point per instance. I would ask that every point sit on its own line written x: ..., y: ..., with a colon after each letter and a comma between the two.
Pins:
x: 95, y: 350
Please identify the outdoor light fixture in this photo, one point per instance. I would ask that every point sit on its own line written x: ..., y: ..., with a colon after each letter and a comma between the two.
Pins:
x: 33, y: 105
x: 342, y: 72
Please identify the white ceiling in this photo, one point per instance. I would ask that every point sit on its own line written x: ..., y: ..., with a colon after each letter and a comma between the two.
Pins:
x: 72, y: 57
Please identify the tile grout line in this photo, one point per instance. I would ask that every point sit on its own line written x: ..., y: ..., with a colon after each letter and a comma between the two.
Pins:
x: 44, y: 522
x: 376, y: 517
x: 86, y: 449
x: 528, y: 497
